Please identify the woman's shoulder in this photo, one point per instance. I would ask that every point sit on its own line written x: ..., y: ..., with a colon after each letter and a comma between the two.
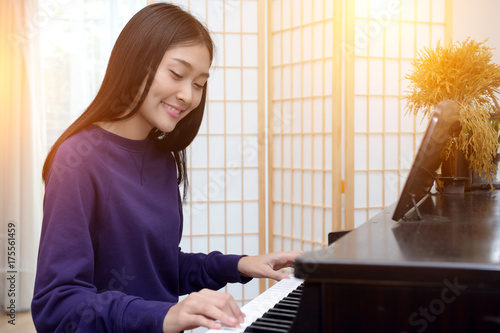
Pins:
x: 84, y: 151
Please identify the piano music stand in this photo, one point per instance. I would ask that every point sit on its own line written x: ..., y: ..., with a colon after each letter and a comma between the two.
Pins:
x: 443, y: 124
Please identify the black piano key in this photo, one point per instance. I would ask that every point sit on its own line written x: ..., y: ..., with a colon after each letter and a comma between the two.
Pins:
x: 279, y: 314
x: 263, y: 329
x: 290, y: 300
x: 287, y: 306
x: 270, y: 322
x: 295, y: 294
x: 280, y: 317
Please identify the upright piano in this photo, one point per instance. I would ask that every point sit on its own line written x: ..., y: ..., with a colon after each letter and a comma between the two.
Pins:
x: 428, y: 263
x: 437, y: 274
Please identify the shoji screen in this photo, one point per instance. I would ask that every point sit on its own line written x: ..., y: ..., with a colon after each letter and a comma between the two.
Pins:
x: 387, y: 36
x: 225, y: 205
x: 305, y: 122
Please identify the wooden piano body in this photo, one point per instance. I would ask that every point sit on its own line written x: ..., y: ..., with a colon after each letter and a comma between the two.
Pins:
x: 437, y: 274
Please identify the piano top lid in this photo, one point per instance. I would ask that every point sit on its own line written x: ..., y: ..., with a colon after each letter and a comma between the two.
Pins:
x: 459, y: 236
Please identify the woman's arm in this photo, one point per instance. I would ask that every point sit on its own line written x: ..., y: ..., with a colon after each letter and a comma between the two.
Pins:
x: 267, y: 265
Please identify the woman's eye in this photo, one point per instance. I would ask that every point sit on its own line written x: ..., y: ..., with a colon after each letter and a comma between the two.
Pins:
x: 199, y: 86
x: 177, y: 76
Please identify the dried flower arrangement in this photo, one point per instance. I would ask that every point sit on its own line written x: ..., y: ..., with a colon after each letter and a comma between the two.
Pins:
x: 465, y: 74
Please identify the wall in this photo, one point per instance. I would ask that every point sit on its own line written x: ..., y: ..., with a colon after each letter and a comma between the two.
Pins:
x: 478, y: 20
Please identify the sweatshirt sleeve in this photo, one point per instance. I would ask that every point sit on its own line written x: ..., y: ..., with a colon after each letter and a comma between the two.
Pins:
x: 213, y: 271
x: 65, y: 297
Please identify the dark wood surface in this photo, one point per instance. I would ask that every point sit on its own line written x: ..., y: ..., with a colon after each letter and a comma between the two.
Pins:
x: 439, y: 274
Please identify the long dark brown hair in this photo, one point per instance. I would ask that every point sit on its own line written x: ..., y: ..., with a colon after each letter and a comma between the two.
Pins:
x: 134, y: 60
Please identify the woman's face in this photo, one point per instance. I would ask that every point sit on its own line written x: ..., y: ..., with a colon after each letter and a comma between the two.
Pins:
x: 176, y: 89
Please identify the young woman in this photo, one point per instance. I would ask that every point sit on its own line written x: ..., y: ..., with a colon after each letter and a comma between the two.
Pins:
x: 109, y: 257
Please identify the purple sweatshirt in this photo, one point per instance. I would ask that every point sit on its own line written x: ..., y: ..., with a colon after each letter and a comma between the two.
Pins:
x: 109, y: 257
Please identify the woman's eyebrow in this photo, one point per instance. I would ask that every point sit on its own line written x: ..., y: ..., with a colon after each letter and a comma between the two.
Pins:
x: 188, y: 65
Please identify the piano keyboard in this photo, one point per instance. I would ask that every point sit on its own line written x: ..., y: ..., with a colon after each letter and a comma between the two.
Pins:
x: 271, y: 311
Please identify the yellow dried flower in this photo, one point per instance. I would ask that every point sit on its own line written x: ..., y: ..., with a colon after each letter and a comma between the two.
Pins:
x: 465, y: 74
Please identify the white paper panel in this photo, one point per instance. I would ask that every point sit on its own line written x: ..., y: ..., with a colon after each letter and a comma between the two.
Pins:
x: 360, y: 189
x: 215, y: 118
x: 296, y: 116
x: 297, y: 222
x: 307, y: 188
x: 296, y: 151
x: 297, y: 80
x: 250, y: 217
x: 232, y: 118
x: 423, y: 35
x: 376, y: 114
x: 392, y: 114
x: 250, y: 54
x: 360, y: 70
x: 287, y: 82
x: 360, y: 114
x: 318, y: 151
x: 233, y: 50
x: 250, y: 118
x: 438, y: 12
x: 424, y: 10
x: 391, y: 151
x: 277, y: 48
x: 233, y: 84
x: 200, y: 244
x: 392, y: 77
x: 234, y: 213
x: 216, y: 156
x: 317, y: 224
x: 408, y: 10
x: 287, y: 190
x: 216, y: 217
x: 250, y: 84
x: 376, y: 83
x: 249, y: 244
x: 328, y: 114
x: 250, y: 184
x: 360, y: 162
x: 407, y: 150
x: 250, y: 151
x: 234, y: 151
x: 317, y: 113
x: 360, y: 38
x: 249, y: 16
x: 375, y: 152
x: 391, y: 187
x: 199, y: 156
x: 392, y: 40
x: 318, y: 46
x: 327, y: 153
x: 286, y: 37
x: 408, y: 42
x: 318, y: 182
x: 232, y: 16
x: 297, y: 187
x: 375, y: 186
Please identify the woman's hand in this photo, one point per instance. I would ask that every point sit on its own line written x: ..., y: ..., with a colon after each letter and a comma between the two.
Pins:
x: 267, y: 265
x: 203, y: 308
